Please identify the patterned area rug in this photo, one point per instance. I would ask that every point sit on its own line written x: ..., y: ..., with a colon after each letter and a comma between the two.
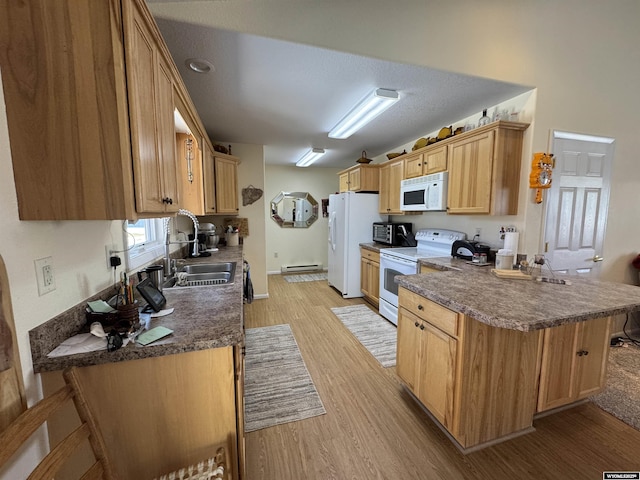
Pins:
x: 374, y: 332
x: 620, y: 396
x: 278, y: 388
x: 306, y: 277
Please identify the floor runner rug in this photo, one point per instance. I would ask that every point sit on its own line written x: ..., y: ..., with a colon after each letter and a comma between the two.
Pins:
x: 374, y: 332
x: 278, y: 388
x: 620, y: 396
x: 306, y: 277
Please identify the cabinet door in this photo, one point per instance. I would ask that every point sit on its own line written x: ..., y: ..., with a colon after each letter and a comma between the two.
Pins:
x: 396, y: 173
x: 226, y: 185
x: 470, y: 174
x: 209, y: 180
x: 344, y: 182
x: 152, y: 125
x: 385, y: 183
x: 374, y: 281
x: 408, y: 349
x: 435, y: 160
x: 574, y: 362
x: 354, y: 180
x: 141, y: 72
x: 437, y: 374
x: 166, y: 138
x: 413, y: 165
x: 558, y: 367
x: 365, y: 277
x: 593, y: 344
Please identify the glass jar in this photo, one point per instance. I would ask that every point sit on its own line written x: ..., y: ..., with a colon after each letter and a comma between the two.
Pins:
x: 484, y: 119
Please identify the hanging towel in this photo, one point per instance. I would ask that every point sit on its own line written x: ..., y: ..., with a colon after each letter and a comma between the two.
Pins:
x: 248, y: 286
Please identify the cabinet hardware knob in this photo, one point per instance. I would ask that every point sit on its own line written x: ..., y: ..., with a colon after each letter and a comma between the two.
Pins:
x: 586, y: 352
x: 417, y: 324
x: 421, y: 327
x: 579, y: 353
x: 420, y: 307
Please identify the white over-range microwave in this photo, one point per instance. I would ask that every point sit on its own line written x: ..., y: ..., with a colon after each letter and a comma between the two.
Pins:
x: 426, y: 193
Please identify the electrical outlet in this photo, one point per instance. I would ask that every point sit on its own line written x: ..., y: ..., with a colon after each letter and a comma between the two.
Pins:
x: 109, y: 251
x: 275, y: 254
x: 478, y: 231
x: 44, y: 275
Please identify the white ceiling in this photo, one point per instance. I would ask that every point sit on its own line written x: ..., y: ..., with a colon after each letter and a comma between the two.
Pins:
x: 288, y: 96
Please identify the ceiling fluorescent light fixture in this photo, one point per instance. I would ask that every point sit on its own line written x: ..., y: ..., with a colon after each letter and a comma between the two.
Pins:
x: 310, y: 157
x: 369, y: 108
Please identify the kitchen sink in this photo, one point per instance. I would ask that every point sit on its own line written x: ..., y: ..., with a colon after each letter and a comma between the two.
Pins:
x: 202, y: 275
x: 208, y: 268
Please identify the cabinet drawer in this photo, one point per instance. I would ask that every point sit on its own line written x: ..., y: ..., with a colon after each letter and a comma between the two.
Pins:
x: 435, y: 314
x: 369, y: 254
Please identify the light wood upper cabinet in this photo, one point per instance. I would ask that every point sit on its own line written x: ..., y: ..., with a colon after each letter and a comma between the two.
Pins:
x: 574, y: 362
x: 151, y: 105
x: 425, y: 161
x: 359, y: 178
x: 413, y: 165
x: 190, y: 163
x: 484, y: 170
x: 220, y: 183
x: 391, y: 174
x: 97, y: 82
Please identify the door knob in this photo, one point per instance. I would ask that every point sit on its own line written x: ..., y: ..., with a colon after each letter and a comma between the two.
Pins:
x: 597, y: 258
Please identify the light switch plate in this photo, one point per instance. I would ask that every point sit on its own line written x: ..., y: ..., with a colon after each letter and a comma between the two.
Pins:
x: 44, y: 275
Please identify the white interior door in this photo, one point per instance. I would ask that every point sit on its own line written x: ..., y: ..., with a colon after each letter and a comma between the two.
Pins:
x: 577, y: 203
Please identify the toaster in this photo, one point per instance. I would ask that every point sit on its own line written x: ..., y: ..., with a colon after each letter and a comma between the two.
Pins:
x: 466, y: 248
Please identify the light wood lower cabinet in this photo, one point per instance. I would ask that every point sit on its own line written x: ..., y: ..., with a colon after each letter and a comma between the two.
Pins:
x: 370, y: 275
x: 478, y: 382
x: 163, y: 413
x: 574, y: 362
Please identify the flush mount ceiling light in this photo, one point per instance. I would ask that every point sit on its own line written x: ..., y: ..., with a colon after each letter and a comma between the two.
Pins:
x: 199, y: 65
x: 369, y: 108
x: 310, y: 157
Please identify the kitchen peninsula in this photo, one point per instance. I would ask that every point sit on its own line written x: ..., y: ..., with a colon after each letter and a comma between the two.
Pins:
x: 485, y: 355
x: 173, y: 402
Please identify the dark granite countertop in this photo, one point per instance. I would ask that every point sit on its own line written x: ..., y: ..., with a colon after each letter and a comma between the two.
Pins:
x: 204, y: 317
x: 518, y: 304
x: 374, y: 246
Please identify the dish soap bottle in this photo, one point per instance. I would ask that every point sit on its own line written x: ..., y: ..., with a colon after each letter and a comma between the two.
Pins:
x: 484, y: 119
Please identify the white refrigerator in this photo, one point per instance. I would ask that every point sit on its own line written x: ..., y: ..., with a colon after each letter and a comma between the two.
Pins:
x: 351, y: 217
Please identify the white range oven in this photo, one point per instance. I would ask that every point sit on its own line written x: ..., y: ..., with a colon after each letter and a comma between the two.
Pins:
x: 404, y: 261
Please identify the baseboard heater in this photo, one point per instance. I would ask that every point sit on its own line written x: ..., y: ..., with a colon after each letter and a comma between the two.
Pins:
x: 316, y: 267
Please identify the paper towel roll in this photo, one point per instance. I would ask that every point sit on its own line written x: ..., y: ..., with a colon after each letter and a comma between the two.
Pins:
x: 511, y: 241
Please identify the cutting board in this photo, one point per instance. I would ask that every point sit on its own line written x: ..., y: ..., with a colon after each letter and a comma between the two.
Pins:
x: 12, y: 397
x: 511, y: 274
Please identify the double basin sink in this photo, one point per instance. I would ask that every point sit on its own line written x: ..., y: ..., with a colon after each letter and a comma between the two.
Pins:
x: 202, y: 275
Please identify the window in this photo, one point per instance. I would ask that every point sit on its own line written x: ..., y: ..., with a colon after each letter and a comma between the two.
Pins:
x: 145, y: 241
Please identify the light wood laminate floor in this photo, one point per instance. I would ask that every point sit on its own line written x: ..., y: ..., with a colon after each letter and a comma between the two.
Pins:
x: 374, y: 430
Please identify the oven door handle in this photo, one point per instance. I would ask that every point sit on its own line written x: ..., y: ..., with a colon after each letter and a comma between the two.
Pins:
x: 391, y: 260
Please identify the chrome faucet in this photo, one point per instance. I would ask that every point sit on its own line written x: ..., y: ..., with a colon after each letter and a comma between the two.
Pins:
x: 167, y: 253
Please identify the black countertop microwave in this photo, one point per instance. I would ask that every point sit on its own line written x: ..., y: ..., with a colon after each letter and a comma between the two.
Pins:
x: 393, y: 234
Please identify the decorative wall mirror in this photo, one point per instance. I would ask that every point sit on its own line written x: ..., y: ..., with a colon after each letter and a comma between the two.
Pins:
x: 294, y: 209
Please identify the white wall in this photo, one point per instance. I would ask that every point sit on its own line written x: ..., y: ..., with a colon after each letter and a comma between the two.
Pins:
x: 581, y: 56
x: 298, y: 246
